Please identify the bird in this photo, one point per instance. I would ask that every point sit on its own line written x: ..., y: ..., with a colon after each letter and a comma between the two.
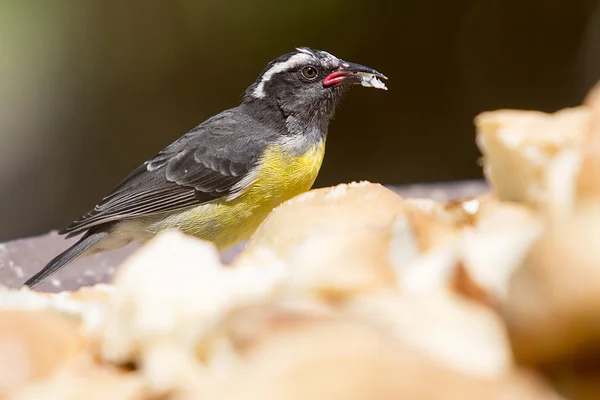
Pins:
x: 221, y: 179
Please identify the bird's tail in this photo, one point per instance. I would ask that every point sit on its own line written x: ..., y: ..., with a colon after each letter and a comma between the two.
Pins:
x: 86, y: 242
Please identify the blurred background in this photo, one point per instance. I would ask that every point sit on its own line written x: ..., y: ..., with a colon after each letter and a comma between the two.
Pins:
x: 89, y: 89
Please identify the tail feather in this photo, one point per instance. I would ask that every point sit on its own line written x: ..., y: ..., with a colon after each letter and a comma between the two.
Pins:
x: 86, y: 242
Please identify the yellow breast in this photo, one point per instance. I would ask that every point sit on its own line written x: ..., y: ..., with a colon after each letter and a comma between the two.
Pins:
x: 280, y: 176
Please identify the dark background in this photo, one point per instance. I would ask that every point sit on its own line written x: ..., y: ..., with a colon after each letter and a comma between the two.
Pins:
x: 90, y: 89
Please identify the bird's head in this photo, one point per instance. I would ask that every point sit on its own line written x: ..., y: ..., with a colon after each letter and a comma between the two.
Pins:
x: 308, y: 83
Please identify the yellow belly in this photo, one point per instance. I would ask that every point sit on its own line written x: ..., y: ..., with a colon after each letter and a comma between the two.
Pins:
x: 280, y: 177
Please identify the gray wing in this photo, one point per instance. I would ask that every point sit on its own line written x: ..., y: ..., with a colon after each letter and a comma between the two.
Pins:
x: 204, y: 164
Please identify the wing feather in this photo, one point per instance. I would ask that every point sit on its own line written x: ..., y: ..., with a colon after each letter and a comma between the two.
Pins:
x: 206, y: 163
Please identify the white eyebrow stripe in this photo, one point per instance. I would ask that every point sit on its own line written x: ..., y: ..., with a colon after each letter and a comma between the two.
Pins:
x: 293, y: 61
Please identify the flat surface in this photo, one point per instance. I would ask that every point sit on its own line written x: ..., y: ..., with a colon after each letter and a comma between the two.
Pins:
x: 20, y: 259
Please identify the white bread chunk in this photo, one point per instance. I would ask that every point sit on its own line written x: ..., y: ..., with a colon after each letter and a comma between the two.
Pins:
x: 519, y: 147
x: 457, y: 333
x: 553, y: 299
x: 332, y: 241
x: 168, y: 296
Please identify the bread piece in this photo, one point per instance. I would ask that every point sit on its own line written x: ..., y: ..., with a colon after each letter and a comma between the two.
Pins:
x: 33, y: 346
x: 336, y: 359
x: 99, y: 293
x: 290, y: 355
x: 333, y: 241
x: 520, y: 146
x: 424, y: 247
x: 493, y: 247
x: 455, y: 332
x: 589, y: 178
x: 168, y: 296
x: 86, y: 306
x: 553, y: 301
x: 469, y: 246
x: 361, y: 237
x: 86, y: 380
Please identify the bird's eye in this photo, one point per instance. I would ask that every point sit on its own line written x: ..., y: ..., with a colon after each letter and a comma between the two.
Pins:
x: 309, y: 72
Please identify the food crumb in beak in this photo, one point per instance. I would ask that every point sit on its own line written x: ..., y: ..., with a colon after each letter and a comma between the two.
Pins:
x: 372, y: 81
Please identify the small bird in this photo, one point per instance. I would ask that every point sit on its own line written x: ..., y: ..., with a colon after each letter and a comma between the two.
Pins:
x: 221, y: 179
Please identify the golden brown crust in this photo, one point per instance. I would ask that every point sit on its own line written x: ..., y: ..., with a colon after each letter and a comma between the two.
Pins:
x: 589, y: 178
x: 34, y: 345
x: 520, y: 146
x: 335, y: 240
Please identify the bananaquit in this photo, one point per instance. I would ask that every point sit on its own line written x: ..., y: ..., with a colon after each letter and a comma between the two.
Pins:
x: 221, y: 179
